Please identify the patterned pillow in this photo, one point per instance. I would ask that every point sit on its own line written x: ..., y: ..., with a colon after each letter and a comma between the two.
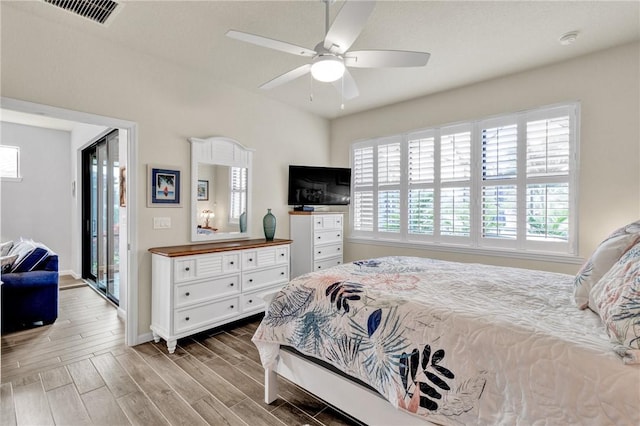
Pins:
x: 617, y: 299
x: 602, y: 259
x: 31, y: 260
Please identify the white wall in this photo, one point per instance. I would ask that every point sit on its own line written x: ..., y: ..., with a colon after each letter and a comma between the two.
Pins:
x: 608, y: 86
x: 39, y: 206
x: 46, y: 63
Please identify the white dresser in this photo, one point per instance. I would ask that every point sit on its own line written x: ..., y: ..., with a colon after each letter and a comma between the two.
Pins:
x: 317, y: 241
x: 200, y: 286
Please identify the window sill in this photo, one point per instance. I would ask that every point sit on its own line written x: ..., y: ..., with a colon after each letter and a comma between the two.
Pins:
x: 450, y: 248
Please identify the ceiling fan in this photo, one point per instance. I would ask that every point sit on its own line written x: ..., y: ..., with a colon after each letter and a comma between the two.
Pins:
x: 331, y: 57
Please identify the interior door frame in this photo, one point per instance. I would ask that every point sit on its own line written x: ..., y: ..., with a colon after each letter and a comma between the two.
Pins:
x: 131, y: 322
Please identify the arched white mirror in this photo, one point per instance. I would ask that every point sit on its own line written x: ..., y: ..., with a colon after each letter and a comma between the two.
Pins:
x: 220, y: 189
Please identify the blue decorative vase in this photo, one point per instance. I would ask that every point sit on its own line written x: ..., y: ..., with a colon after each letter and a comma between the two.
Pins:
x: 243, y: 222
x: 269, y: 224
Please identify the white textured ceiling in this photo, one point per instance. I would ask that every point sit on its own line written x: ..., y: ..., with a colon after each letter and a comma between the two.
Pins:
x: 468, y: 41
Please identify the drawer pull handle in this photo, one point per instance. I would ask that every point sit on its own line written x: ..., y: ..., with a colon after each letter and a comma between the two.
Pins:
x: 319, y: 237
x: 231, y: 285
x: 231, y: 307
x: 186, y: 319
x: 319, y: 267
x: 251, y: 259
x: 338, y: 235
x: 250, y: 280
x: 339, y: 249
x: 186, y: 269
x: 319, y: 252
x: 231, y: 263
x: 250, y: 300
x: 187, y: 294
x: 282, y: 254
x: 281, y: 273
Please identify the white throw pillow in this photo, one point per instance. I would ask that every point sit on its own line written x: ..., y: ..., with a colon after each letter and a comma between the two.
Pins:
x: 5, y: 248
x: 603, y: 258
x: 22, y: 248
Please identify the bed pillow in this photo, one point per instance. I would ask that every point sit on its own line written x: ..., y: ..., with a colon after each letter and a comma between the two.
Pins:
x: 606, y: 254
x: 616, y: 298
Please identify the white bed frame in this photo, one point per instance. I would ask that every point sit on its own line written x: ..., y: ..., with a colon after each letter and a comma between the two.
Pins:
x: 350, y: 397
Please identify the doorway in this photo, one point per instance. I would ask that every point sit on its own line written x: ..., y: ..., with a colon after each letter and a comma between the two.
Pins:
x: 100, y: 216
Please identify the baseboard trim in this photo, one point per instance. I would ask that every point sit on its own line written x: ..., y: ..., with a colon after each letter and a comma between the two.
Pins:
x: 143, y: 338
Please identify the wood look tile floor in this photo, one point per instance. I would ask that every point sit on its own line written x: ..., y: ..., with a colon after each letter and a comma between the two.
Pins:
x: 78, y: 371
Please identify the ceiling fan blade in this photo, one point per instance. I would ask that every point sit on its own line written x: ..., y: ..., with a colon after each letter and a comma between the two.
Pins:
x: 385, y: 58
x: 270, y: 43
x: 348, y: 87
x: 286, y: 77
x: 348, y: 25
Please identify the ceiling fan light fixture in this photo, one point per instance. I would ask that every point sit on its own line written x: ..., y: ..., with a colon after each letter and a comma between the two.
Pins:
x: 327, y: 68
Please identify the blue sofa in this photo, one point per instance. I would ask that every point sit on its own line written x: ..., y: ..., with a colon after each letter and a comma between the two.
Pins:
x: 30, y: 298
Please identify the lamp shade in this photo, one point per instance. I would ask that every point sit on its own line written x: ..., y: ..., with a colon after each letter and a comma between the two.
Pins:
x: 327, y: 68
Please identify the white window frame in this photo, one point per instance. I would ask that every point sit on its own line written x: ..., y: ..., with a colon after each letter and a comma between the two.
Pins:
x: 18, y: 177
x: 521, y: 247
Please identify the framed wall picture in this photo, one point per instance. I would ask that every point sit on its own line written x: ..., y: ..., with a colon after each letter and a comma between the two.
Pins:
x: 203, y: 190
x: 164, y: 186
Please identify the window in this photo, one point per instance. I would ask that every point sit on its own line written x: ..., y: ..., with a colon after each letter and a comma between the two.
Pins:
x: 9, y: 162
x: 238, y: 193
x: 503, y: 182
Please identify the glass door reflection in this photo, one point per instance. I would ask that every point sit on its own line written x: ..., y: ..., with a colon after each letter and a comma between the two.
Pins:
x: 101, y: 216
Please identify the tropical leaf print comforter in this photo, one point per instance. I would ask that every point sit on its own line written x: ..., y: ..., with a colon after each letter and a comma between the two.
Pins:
x: 458, y: 343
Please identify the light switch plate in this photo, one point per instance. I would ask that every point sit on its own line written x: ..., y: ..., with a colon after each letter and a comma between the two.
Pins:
x: 161, y: 222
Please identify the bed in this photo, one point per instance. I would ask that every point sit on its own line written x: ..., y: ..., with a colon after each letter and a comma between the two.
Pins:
x: 407, y: 340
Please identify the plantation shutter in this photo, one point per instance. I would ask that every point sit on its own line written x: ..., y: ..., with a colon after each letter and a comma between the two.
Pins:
x: 389, y: 158
x: 421, y: 175
x: 499, y: 194
x: 547, y: 191
x: 363, y: 167
x: 455, y: 180
x: 501, y: 183
x: 238, y: 178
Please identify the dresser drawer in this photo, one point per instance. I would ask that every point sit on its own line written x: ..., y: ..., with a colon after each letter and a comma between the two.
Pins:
x: 265, y: 277
x: 262, y: 257
x: 327, y: 237
x: 187, y: 294
x: 331, y: 221
x: 203, y: 315
x: 254, y: 301
x: 197, y: 267
x: 321, y: 265
x: 324, y: 251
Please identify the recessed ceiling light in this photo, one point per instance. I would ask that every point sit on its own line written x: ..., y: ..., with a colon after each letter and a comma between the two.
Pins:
x: 568, y: 38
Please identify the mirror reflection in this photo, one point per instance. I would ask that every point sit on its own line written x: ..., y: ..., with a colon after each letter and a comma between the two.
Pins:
x: 220, y: 189
x: 221, y: 199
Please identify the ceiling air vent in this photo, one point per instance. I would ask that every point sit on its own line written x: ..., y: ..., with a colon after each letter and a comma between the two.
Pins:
x: 96, y: 10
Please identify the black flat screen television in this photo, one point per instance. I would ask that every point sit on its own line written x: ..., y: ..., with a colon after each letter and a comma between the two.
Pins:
x: 319, y: 186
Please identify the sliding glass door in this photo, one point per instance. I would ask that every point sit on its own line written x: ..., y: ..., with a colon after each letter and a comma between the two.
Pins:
x: 100, y: 215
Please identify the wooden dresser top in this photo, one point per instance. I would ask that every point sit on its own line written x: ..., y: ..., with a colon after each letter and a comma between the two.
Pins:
x: 193, y: 249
